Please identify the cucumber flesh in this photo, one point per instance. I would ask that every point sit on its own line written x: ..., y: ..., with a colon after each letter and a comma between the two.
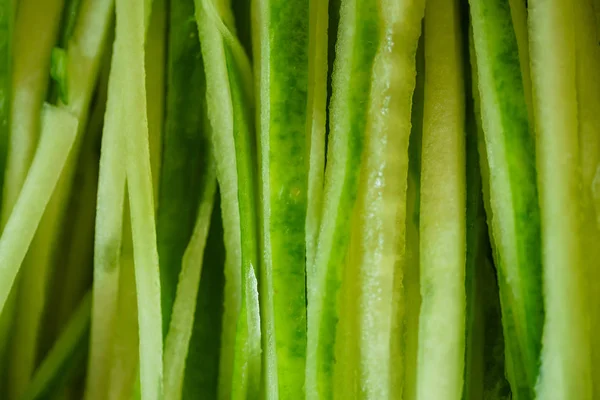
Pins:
x: 563, y: 374
x: 442, y: 209
x: 510, y: 188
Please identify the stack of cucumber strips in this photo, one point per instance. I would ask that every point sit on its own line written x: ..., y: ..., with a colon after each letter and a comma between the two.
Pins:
x: 299, y: 199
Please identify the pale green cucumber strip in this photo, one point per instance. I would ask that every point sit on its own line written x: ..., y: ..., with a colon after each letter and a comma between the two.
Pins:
x: 563, y: 374
x: 64, y: 354
x: 156, y: 48
x: 186, y: 148
x: 382, y: 197
x: 587, y: 58
x: 182, y: 320
x: 30, y: 62
x: 123, y: 376
x: 229, y: 95
x: 283, y: 112
x: 108, y: 235
x: 85, y: 51
x: 513, y: 213
x: 57, y: 136
x: 131, y: 30
x: 71, y: 282
x: 442, y: 210
x: 316, y: 123
x: 356, y: 45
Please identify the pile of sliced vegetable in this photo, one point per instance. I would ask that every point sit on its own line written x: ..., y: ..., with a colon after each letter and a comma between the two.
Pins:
x: 299, y: 199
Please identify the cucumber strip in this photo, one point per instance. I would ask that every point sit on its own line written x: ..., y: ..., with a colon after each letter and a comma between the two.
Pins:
x: 407, y: 294
x: 182, y: 322
x: 156, y: 42
x: 563, y: 374
x: 57, y: 136
x: 229, y: 96
x: 131, y: 28
x: 31, y: 61
x: 284, y: 134
x: 316, y: 124
x: 64, y: 356
x: 588, y: 113
x: 383, y: 197
x: 518, y: 11
x: 202, y: 364
x: 499, y: 369
x: 123, y: 377
x: 509, y: 168
x: 357, y: 44
x: 108, y: 235
x: 84, y: 55
x: 71, y: 282
x: 186, y: 149
x: 442, y: 210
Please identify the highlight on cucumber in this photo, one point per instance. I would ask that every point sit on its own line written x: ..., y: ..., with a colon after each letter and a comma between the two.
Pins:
x: 299, y: 199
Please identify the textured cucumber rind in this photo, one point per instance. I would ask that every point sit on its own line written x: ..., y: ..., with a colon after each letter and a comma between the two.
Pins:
x: 348, y: 121
x: 287, y: 185
x: 185, y: 149
x: 520, y: 283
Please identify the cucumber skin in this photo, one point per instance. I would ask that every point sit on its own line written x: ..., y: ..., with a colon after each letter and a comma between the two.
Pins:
x: 185, y: 149
x: 494, y: 34
x: 284, y: 170
x: 341, y: 185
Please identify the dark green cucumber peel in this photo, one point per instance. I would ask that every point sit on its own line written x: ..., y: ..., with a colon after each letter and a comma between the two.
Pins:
x: 185, y: 149
x: 284, y: 172
x: 202, y: 365
x: 346, y: 140
x: 509, y: 147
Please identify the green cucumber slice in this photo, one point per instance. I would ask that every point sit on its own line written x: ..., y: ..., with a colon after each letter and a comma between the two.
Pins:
x: 357, y: 44
x: 130, y: 30
x: 442, y: 210
x: 108, y: 237
x: 382, y: 199
x: 85, y: 50
x: 563, y: 374
x: 229, y: 96
x: 284, y: 137
x: 508, y: 165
